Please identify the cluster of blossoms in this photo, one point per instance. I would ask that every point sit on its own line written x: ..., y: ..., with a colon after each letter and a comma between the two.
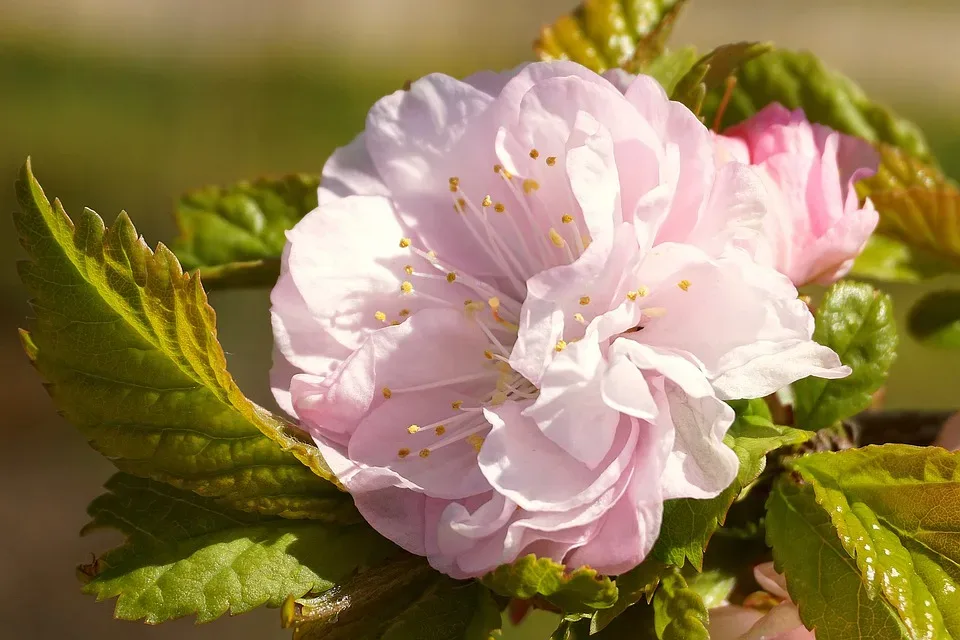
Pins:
x: 513, y: 321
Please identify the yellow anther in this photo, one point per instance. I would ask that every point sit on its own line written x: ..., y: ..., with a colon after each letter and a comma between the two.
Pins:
x: 440, y: 430
x: 424, y: 453
x: 561, y: 345
x: 557, y: 239
x: 632, y: 295
x: 387, y: 393
x: 406, y: 287
x: 467, y: 302
x: 412, y: 429
x: 476, y: 441
x: 456, y: 404
x: 488, y: 354
x: 494, y: 302
x: 499, y: 208
x: 530, y: 185
x: 404, y: 243
x: 451, y: 276
x: 497, y: 168
x: 552, y: 160
x: 579, y: 318
x: 404, y: 313
x: 566, y: 218
x: 454, y: 184
x: 395, y: 323
x: 409, y: 269
x: 506, y: 174
x: 381, y: 316
x: 684, y: 284
x: 487, y: 201
x: 431, y: 254
x: 643, y: 292
x: 584, y: 301
x: 403, y: 453
x: 472, y: 308
x: 534, y: 154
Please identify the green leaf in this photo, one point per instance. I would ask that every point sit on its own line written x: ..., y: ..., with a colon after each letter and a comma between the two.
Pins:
x: 895, y: 510
x: 676, y: 613
x: 857, y: 322
x: 669, y: 68
x: 128, y: 345
x: 639, y: 583
x: 604, y: 34
x: 821, y: 578
x: 578, y: 591
x: 235, y: 234
x: 688, y: 524
x: 185, y: 554
x: 800, y: 79
x: 935, y: 319
x: 401, y: 600
x: 886, y: 258
x: 712, y: 70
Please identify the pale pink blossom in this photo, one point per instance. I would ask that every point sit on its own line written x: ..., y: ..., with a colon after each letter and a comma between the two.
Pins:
x: 512, y: 321
x: 782, y: 622
x: 816, y: 226
x: 949, y: 436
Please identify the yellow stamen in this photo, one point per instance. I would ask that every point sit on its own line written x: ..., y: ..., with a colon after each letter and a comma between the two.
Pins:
x: 456, y: 404
x: 404, y: 243
x: 556, y: 238
x: 488, y: 354
x: 451, y: 277
x: 643, y: 292
x: 404, y: 313
x: 424, y: 453
x: 552, y: 160
x: 499, y: 208
x: 684, y: 284
x: 494, y: 302
x: 561, y: 345
x: 387, y: 393
x: 497, y: 168
x: 409, y: 269
x: 403, y: 453
x: 381, y: 316
x: 530, y: 185
x: 566, y: 218
x: 476, y: 441
x: 454, y: 184
x: 534, y: 154
x: 632, y: 295
x: 406, y: 287
x: 440, y: 430
x: 394, y: 323
x: 584, y: 301
x: 412, y: 429
x: 462, y: 203
x: 579, y: 318
x: 487, y: 201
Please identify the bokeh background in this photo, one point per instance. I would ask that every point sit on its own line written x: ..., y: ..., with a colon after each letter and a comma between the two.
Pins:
x: 124, y: 104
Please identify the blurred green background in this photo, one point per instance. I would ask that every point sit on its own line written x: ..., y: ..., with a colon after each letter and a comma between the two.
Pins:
x: 123, y: 105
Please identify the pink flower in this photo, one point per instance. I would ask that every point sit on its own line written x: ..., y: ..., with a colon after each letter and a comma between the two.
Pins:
x: 782, y: 622
x: 816, y: 227
x: 512, y: 320
x: 949, y: 437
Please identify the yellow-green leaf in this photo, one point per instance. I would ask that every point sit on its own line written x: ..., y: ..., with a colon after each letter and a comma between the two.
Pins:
x: 896, y: 510
x: 605, y: 34
x: 188, y: 555
x: 822, y: 579
x: 128, y: 344
x: 576, y: 591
